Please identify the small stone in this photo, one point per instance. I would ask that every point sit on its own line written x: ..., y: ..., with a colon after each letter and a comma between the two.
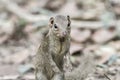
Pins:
x: 80, y: 35
x: 103, y: 35
x: 25, y: 68
x: 104, y: 53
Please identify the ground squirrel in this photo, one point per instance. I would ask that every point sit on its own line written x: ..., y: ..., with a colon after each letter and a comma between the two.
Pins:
x: 55, y: 43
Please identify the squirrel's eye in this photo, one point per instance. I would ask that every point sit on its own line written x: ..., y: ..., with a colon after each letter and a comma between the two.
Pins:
x: 55, y: 26
x: 68, y: 24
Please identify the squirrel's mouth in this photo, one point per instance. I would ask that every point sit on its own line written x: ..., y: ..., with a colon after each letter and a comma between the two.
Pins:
x: 62, y: 39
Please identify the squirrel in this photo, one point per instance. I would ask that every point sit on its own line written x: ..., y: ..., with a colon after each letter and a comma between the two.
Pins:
x: 55, y: 44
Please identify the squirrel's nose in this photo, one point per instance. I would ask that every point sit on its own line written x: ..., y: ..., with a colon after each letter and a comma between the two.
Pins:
x: 64, y: 33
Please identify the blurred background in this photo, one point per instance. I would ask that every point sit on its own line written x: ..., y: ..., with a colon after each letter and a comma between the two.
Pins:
x: 95, y: 29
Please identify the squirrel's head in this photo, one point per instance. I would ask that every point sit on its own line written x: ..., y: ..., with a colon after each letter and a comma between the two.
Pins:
x: 60, y: 25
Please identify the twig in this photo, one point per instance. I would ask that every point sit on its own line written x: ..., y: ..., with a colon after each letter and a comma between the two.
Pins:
x: 107, y: 77
x: 91, y: 24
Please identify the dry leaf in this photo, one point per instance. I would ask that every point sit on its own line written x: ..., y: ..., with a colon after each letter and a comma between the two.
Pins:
x: 103, y: 35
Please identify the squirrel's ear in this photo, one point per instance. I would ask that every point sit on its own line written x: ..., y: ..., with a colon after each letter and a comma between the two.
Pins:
x: 68, y: 18
x: 51, y: 20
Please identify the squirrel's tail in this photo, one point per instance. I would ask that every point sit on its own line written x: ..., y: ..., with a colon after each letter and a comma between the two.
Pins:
x: 83, y: 70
